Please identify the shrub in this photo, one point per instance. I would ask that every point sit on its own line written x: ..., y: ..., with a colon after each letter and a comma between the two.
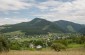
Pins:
x: 15, y: 46
x: 58, y: 46
x: 4, y: 46
x: 64, y: 42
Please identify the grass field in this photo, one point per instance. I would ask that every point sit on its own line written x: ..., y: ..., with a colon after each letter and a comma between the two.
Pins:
x: 67, y: 52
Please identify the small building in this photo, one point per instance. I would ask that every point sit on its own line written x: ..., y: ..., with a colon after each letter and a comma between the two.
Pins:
x: 39, y: 47
x: 31, y: 45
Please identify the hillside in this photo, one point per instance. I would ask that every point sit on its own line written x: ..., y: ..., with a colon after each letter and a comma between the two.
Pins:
x: 82, y: 30
x: 36, y: 26
x: 42, y: 26
x: 69, y: 26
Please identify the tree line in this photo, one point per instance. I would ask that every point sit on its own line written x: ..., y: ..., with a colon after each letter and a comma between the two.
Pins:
x: 50, y: 40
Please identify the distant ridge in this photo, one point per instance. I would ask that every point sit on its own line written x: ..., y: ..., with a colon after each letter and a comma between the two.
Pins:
x: 69, y: 26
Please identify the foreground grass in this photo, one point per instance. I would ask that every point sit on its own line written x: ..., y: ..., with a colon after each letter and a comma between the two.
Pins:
x: 74, y: 45
x: 67, y: 52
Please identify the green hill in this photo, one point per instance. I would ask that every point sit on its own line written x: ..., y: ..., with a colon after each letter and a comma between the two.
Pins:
x: 36, y: 26
x: 69, y: 26
x: 42, y: 26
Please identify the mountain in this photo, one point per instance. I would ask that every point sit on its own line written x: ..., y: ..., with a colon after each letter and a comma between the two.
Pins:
x: 36, y: 26
x: 69, y: 26
x: 82, y: 30
x: 42, y: 26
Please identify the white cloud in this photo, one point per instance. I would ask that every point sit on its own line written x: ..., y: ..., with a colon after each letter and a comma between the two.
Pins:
x: 72, y: 11
x: 55, y: 17
x: 47, y: 4
x: 13, y: 20
x: 6, y: 5
x: 76, y: 5
x: 51, y: 9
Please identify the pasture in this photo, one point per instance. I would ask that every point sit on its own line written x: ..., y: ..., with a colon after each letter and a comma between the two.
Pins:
x: 74, y: 51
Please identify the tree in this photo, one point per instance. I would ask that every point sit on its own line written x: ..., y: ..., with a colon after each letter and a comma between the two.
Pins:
x: 64, y: 42
x: 58, y: 46
x: 4, y: 46
x: 15, y: 45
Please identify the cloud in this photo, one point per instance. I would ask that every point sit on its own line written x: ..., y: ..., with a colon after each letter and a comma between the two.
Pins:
x: 47, y: 4
x: 72, y: 10
x: 55, y: 17
x: 6, y: 5
x: 56, y: 5
x: 13, y: 20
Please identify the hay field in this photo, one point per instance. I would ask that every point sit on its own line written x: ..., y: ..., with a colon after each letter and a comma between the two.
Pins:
x: 25, y: 52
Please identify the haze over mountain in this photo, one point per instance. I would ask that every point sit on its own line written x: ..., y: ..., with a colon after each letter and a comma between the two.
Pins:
x: 42, y: 26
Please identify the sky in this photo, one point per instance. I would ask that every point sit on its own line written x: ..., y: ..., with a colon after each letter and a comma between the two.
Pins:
x: 16, y: 11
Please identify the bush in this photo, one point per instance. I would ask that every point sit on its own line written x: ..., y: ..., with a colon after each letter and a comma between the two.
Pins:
x: 64, y: 42
x: 58, y: 46
x: 15, y: 46
x: 4, y: 46
x: 39, y: 42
